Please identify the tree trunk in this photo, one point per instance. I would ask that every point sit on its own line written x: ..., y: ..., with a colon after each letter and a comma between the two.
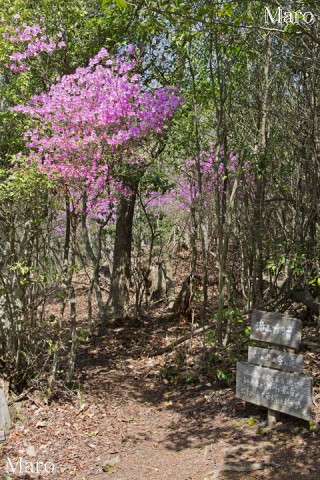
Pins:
x: 118, y: 301
x: 261, y: 148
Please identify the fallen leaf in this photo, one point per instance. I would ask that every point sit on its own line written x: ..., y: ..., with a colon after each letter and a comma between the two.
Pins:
x: 31, y: 451
x: 108, y: 469
x: 91, y: 445
x: 84, y: 407
x: 110, y: 465
x: 40, y: 424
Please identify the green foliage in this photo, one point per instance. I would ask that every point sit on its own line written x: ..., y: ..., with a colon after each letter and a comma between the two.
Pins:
x: 315, y: 281
x: 312, y: 425
x: 274, y: 266
x: 171, y: 374
x: 247, y: 330
x: 225, y: 376
x: 252, y: 422
x: 52, y: 347
x: 121, y: 3
x: 229, y: 314
x: 83, y: 335
x: 175, y: 374
x: 156, y: 181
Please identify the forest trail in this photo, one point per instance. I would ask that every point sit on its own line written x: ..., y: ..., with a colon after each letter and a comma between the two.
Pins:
x: 152, y: 154
x: 129, y: 423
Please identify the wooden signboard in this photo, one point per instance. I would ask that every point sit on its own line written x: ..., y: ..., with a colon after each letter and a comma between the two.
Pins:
x: 271, y: 377
x: 5, y: 420
x: 276, y: 329
x: 280, y: 391
x: 275, y: 359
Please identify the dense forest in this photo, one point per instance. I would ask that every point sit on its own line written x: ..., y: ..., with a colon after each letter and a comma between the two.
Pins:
x: 159, y: 162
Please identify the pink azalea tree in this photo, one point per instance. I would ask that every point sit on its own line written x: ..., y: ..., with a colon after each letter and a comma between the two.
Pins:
x: 91, y: 133
x: 184, y: 195
x: 201, y: 184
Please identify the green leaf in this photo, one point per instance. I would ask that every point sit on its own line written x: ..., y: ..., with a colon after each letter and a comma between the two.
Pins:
x: 247, y: 330
x: 221, y: 375
x: 252, y: 422
x: 122, y: 4
x: 312, y: 426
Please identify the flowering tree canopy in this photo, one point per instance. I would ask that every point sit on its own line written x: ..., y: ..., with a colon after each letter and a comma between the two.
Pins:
x: 28, y: 41
x: 89, y: 127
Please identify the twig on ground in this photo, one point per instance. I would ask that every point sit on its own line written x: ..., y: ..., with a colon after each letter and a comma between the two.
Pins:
x: 181, y: 340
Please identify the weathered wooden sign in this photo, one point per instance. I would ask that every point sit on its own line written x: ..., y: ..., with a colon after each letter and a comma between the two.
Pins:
x: 280, y: 391
x: 271, y: 377
x: 276, y: 329
x: 275, y: 359
x: 5, y: 420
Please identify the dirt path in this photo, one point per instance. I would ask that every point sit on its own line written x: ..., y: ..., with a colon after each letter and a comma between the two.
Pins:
x: 126, y: 424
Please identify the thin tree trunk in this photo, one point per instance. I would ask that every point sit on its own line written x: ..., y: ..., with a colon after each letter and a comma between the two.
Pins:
x: 260, y: 182
x: 72, y: 302
x: 201, y: 207
x: 219, y: 95
x: 95, y: 258
x: 58, y: 332
x: 73, y: 328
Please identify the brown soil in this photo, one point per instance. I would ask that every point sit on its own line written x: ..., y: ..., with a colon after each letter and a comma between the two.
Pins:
x: 128, y: 422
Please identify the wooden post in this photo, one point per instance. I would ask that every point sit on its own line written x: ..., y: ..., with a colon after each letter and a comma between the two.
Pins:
x: 5, y: 420
x: 273, y: 417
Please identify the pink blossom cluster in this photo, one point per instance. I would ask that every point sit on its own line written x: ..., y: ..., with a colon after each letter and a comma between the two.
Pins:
x: 224, y: 166
x: 90, y: 127
x: 33, y: 39
x: 215, y: 168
